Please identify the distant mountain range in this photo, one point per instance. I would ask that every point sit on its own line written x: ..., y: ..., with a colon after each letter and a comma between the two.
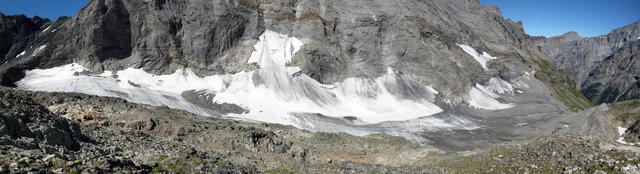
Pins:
x: 606, y: 68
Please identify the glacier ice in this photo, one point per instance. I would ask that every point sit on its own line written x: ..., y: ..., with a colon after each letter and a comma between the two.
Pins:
x: 270, y: 94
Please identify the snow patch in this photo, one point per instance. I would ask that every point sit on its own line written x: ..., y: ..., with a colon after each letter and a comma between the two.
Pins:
x: 500, y: 86
x: 21, y: 54
x: 46, y: 29
x: 274, y: 49
x: 482, y: 59
x: 621, y: 132
x: 482, y: 97
x: 432, y: 90
x: 37, y: 51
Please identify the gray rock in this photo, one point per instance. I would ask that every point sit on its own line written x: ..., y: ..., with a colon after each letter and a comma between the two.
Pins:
x: 54, y: 136
x: 13, y: 127
x: 603, y: 66
x: 342, y: 39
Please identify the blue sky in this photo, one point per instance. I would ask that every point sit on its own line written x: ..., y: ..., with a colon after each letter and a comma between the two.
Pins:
x: 554, y: 17
x: 51, y: 9
x: 539, y: 17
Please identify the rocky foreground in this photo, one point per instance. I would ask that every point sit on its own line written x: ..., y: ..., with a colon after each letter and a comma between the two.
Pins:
x: 71, y: 133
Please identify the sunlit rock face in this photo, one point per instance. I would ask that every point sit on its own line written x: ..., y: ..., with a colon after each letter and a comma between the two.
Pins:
x: 434, y: 72
x: 604, y: 67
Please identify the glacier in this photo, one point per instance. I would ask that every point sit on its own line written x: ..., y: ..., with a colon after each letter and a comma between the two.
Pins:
x: 392, y: 103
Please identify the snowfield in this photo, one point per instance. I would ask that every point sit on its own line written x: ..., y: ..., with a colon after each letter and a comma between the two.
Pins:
x: 274, y: 93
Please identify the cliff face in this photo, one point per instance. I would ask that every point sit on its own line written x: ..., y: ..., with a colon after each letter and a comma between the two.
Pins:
x: 342, y: 39
x: 16, y: 33
x: 604, y: 67
x: 452, y: 74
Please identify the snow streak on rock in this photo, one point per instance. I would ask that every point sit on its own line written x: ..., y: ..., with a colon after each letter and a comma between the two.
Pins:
x: 482, y: 59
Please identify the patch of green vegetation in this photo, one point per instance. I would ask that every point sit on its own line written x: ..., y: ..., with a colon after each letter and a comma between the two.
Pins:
x: 564, y: 88
x: 625, y: 105
x: 157, y: 169
x: 627, y: 112
x: 281, y: 169
x: 572, y: 98
x: 162, y: 157
x: 172, y: 164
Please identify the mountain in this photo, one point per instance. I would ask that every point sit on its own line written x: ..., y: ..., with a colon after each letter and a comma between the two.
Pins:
x: 605, y: 67
x: 433, y: 72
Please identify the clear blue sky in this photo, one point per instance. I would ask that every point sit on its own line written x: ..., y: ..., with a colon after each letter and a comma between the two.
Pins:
x: 539, y: 17
x: 554, y: 17
x: 51, y: 9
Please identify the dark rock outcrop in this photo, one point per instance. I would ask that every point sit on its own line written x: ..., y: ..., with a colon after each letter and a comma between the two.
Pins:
x: 26, y: 119
x: 632, y: 134
x: 16, y: 32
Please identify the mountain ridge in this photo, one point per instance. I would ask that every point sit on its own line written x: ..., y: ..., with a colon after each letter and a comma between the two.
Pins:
x: 243, y: 21
x: 589, y: 61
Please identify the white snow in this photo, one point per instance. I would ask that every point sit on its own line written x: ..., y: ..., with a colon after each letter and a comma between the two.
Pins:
x: 500, y: 86
x: 482, y: 59
x: 21, y: 54
x: 37, y: 51
x: 274, y: 49
x: 621, y: 132
x: 482, y: 97
x: 271, y: 94
x: 46, y: 29
x: 432, y: 90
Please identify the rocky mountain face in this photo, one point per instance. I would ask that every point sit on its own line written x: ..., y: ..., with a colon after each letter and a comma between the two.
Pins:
x: 342, y: 39
x: 449, y: 74
x: 605, y: 67
x: 17, y: 33
x: 452, y: 77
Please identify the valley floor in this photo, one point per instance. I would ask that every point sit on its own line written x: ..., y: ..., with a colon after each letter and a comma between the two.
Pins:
x: 70, y: 133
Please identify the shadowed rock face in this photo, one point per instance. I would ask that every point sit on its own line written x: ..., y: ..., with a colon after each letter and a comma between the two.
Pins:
x: 112, y: 38
x: 16, y: 32
x: 342, y: 39
x: 632, y: 134
x: 605, y: 67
